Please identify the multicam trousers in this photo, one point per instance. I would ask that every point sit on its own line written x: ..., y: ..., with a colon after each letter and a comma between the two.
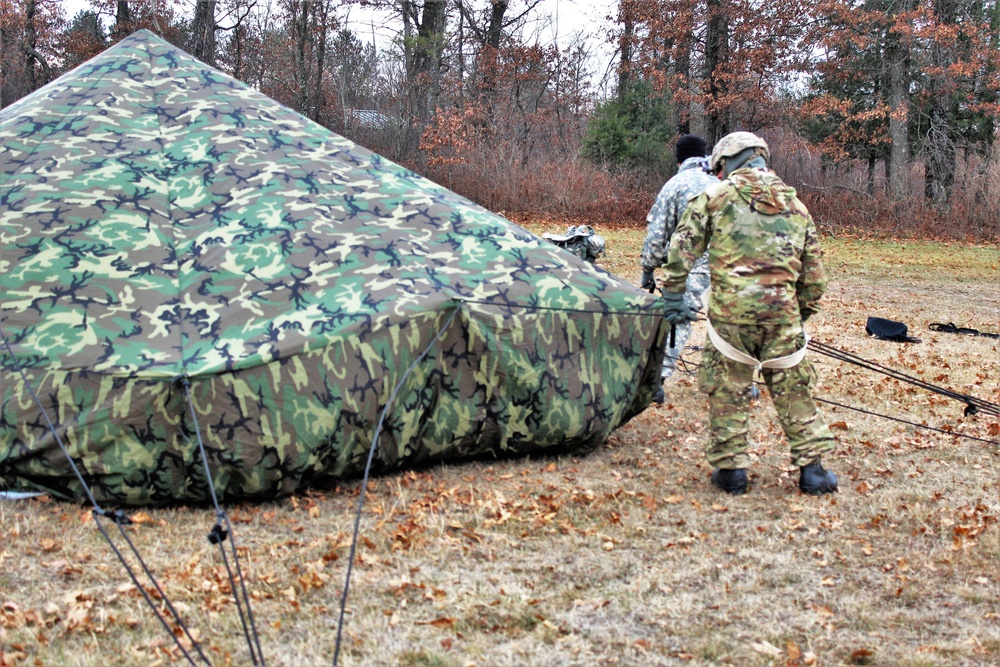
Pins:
x: 728, y: 383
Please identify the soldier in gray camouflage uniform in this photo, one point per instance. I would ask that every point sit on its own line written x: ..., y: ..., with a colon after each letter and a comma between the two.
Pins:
x: 767, y: 278
x: 690, y: 181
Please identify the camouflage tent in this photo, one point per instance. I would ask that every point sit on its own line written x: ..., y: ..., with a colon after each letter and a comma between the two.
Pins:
x: 182, y: 258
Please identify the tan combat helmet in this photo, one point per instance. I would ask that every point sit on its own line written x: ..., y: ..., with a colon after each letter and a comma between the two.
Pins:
x: 733, y: 144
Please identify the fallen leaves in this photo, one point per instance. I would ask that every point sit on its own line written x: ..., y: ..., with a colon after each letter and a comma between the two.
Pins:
x: 49, y: 544
x: 140, y: 518
x: 972, y: 521
x: 765, y: 648
x: 861, y: 656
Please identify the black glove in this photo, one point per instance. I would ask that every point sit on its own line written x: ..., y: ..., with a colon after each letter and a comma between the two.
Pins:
x: 677, y: 309
x: 806, y: 313
x: 648, y: 281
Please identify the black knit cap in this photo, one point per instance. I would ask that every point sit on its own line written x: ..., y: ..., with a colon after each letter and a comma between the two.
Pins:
x: 691, y: 145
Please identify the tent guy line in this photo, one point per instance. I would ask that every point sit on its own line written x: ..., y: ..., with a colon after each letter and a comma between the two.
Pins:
x: 906, y: 421
x: 218, y: 535
x: 973, y: 404
x: 565, y: 309
x: 364, y: 481
x: 117, y: 517
x: 959, y: 397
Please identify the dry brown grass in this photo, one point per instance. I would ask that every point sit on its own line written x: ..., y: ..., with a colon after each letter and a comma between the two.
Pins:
x: 623, y: 557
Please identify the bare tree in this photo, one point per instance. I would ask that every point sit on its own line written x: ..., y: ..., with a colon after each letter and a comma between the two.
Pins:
x: 123, y: 20
x: 939, y: 169
x: 716, y: 55
x: 203, y: 29
x: 425, y: 52
x: 897, y: 59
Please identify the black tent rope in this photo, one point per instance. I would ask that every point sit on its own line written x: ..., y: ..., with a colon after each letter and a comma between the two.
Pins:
x: 120, y: 519
x: 683, y: 365
x: 951, y: 328
x: 973, y: 404
x: 218, y: 535
x: 906, y: 421
x: 695, y: 366
x: 364, y: 480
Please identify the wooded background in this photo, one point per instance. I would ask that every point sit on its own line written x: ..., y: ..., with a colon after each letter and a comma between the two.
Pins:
x: 883, y: 113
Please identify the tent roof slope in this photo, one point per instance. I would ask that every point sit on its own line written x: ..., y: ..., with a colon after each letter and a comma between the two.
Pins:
x: 160, y: 220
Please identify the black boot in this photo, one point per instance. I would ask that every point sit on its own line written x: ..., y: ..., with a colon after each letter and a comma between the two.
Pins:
x: 815, y: 480
x: 659, y: 397
x: 730, y: 481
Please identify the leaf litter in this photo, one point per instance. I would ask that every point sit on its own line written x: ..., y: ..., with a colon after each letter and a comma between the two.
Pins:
x: 626, y: 556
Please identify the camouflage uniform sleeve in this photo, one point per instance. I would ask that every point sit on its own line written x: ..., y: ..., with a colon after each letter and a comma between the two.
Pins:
x: 812, y: 280
x: 688, y: 243
x: 654, y: 247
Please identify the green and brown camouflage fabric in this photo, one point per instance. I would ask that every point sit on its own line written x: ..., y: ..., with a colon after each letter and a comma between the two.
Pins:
x: 164, y: 224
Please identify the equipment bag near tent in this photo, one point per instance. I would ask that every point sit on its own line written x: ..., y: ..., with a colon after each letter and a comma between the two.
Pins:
x: 163, y: 225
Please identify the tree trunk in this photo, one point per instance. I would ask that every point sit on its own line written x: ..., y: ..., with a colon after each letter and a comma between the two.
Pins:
x: 494, y: 33
x: 897, y: 52
x: 123, y: 20
x: 30, y: 44
x: 461, y: 57
x: 716, y: 55
x: 237, y: 43
x: 303, y: 56
x: 939, y: 174
x: 625, y: 45
x: 203, y: 31
x: 321, y: 22
x: 8, y: 56
x: 682, y: 69
x: 427, y: 56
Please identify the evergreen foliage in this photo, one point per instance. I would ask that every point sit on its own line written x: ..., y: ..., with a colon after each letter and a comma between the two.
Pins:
x: 634, y: 130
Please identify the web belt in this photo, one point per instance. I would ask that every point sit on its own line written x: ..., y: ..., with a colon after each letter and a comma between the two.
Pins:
x: 739, y: 356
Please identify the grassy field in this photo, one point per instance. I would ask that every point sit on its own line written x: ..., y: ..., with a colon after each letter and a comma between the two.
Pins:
x: 624, y: 557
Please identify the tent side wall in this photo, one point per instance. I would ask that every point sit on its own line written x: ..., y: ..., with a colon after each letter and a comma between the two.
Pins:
x: 488, y: 387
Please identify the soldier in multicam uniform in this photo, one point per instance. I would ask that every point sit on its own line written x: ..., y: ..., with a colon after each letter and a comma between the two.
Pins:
x: 767, y: 278
x: 690, y: 181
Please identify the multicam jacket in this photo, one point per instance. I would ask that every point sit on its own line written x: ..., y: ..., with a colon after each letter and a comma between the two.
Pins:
x: 763, y: 250
x: 689, y: 182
